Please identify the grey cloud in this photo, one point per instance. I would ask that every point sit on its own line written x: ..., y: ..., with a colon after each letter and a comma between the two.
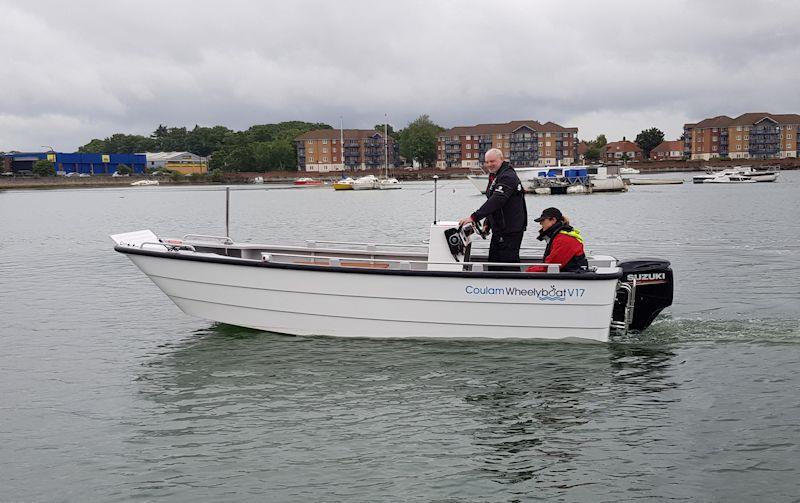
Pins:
x: 93, y: 68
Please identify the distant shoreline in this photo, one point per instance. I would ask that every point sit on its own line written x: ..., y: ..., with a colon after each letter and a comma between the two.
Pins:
x: 272, y: 178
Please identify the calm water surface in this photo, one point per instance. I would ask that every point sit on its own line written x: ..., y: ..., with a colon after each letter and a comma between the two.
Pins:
x: 109, y: 393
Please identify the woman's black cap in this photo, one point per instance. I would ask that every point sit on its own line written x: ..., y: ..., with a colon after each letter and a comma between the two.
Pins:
x: 550, y: 213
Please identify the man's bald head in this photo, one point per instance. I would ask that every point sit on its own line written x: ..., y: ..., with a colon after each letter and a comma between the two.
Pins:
x: 493, y: 160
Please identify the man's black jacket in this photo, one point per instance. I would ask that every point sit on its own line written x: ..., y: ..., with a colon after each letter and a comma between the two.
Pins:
x: 505, y: 204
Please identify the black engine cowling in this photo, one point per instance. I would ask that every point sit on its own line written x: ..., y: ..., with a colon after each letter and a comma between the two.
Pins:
x: 654, y: 287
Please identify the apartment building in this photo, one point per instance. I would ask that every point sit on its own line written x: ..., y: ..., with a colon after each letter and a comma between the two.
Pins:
x: 322, y: 150
x: 668, y: 150
x: 753, y: 135
x: 619, y: 151
x: 523, y: 143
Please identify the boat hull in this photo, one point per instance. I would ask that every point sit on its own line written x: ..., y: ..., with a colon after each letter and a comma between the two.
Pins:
x: 361, y: 304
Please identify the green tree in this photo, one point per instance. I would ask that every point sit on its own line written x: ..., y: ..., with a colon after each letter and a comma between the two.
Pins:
x: 592, y: 153
x: 649, y: 139
x: 600, y: 141
x: 389, y: 129
x: 43, y: 167
x: 418, y: 140
x: 124, y: 169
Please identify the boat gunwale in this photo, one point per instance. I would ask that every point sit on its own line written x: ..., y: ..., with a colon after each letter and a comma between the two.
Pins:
x: 569, y: 276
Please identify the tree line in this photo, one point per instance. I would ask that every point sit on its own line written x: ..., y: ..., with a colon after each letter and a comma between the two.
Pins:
x: 263, y: 147
x: 270, y: 147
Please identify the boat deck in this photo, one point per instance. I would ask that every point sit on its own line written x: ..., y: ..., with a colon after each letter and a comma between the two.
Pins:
x: 362, y: 256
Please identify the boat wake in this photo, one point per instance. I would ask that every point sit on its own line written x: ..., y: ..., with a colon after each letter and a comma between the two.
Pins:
x: 752, y: 330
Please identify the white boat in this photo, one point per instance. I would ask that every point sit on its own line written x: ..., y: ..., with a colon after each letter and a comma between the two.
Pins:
x: 389, y: 184
x: 607, y: 183
x: 369, y: 182
x: 756, y: 175
x: 624, y: 170
x: 140, y: 183
x: 397, y: 291
x: 730, y: 178
x: 656, y: 181
x: 759, y: 175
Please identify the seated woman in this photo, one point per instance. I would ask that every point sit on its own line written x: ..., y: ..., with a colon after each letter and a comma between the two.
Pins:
x: 564, y: 243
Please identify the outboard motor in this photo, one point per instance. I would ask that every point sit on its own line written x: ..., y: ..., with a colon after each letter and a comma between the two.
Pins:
x: 652, y: 292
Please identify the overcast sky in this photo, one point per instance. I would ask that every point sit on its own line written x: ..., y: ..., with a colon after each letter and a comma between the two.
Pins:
x: 73, y: 71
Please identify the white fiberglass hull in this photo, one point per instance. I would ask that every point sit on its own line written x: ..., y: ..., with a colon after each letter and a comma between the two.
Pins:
x: 607, y: 183
x: 353, y: 304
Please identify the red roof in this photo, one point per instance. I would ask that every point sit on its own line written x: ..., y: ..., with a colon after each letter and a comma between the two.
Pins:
x: 508, y: 127
x: 747, y: 119
x: 668, y: 146
x: 622, y: 146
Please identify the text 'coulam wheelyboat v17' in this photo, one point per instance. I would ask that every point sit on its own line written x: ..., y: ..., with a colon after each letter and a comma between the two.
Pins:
x: 398, y: 291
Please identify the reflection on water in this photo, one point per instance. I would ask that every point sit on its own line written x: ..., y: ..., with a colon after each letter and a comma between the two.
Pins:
x: 513, y: 413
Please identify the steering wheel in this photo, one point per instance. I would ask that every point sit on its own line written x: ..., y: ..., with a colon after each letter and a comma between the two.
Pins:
x: 478, y: 228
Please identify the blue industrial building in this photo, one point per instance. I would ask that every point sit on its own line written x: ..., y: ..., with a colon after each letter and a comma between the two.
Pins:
x: 90, y: 164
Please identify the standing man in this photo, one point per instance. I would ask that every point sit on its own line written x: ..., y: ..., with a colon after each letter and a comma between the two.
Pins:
x: 505, y: 209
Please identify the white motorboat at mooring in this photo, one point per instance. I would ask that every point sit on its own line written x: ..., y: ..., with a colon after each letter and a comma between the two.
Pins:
x: 397, y: 291
x: 756, y: 175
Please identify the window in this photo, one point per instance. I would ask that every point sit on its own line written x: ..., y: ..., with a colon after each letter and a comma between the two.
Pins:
x: 715, y: 130
x: 547, y: 135
x: 324, y: 150
x: 499, y: 137
x: 333, y: 150
x: 324, y: 142
x: 546, y: 152
x: 498, y: 145
x: 325, y: 159
x: 714, y: 139
x: 788, y: 146
x: 714, y: 148
x: 789, y: 127
x: 788, y: 136
x: 469, y: 137
x: 746, y: 137
x: 311, y: 150
x: 738, y: 128
x: 506, y: 144
x: 469, y: 145
x: 738, y: 137
x: 547, y: 143
x: 541, y: 145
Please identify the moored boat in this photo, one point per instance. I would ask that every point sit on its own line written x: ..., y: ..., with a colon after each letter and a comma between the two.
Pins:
x: 389, y: 184
x: 730, y: 178
x: 369, y: 182
x: 656, y: 181
x: 307, y: 181
x: 377, y: 290
x: 756, y: 175
x: 343, y: 184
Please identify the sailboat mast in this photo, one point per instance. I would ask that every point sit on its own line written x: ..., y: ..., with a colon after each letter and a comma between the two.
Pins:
x: 341, y: 142
x: 386, y: 144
